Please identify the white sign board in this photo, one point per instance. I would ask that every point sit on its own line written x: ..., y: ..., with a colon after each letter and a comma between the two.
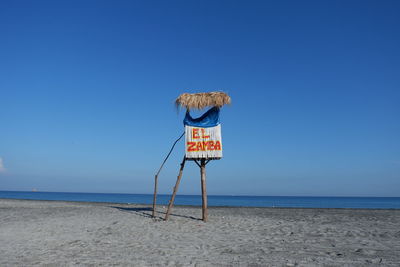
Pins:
x: 203, y: 143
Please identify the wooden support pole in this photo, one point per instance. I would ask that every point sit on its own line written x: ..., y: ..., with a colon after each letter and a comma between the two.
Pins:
x: 171, y: 202
x: 155, y: 196
x: 204, y: 189
x: 159, y: 170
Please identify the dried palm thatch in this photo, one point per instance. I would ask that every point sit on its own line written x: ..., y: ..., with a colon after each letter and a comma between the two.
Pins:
x: 202, y: 100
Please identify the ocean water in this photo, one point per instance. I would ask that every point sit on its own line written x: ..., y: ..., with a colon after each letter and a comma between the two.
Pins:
x: 231, y: 201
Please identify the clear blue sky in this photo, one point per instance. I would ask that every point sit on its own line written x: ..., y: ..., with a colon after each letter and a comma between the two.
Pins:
x: 87, y: 91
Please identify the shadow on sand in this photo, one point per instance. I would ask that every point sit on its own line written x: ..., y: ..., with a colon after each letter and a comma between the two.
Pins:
x: 146, y: 212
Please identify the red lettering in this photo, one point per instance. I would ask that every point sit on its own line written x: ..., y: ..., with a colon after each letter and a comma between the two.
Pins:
x: 195, y: 133
x: 203, y: 146
x: 211, y: 145
x: 200, y: 146
x: 217, y: 145
x: 203, y: 132
x: 191, y: 146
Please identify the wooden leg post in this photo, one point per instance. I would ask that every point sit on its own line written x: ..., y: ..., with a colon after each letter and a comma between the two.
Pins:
x: 204, y: 189
x: 171, y: 202
x: 155, y: 196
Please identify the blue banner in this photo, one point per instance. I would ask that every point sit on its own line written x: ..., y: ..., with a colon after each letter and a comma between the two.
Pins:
x: 208, y: 119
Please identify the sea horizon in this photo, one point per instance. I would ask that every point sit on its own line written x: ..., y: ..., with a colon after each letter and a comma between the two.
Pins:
x: 358, y: 202
x: 184, y: 194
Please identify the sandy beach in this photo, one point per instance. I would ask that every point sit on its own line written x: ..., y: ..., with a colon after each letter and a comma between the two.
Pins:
x: 56, y: 233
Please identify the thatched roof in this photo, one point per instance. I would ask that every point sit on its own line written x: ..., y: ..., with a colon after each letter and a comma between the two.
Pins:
x: 202, y: 100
